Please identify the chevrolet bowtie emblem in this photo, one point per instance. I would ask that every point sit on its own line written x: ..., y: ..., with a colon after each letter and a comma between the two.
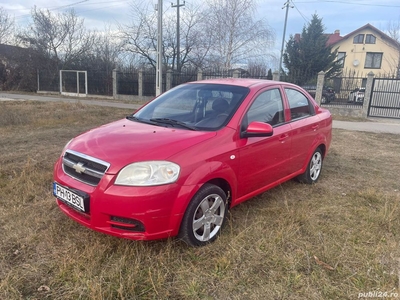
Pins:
x: 79, y: 168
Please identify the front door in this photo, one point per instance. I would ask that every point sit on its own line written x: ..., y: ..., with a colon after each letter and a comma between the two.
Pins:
x: 264, y: 160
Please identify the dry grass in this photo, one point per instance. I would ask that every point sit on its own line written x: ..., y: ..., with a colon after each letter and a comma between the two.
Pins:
x: 331, y: 240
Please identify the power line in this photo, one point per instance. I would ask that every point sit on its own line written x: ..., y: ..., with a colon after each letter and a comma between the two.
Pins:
x: 103, y: 7
x: 82, y: 3
x: 350, y: 2
x: 304, y: 18
x: 54, y: 8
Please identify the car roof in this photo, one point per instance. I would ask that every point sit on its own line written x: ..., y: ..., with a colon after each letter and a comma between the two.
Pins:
x: 244, y: 82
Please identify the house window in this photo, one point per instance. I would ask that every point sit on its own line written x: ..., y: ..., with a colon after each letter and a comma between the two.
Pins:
x: 373, y: 60
x: 358, y: 39
x: 340, y: 57
x: 370, y: 39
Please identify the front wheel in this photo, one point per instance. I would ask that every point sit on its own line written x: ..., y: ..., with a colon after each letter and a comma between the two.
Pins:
x: 314, y: 168
x: 204, y: 216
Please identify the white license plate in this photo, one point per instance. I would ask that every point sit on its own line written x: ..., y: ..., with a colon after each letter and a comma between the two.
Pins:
x: 69, y: 197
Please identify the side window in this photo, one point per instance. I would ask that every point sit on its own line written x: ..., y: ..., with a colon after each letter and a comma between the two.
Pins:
x: 299, y: 105
x: 267, y: 108
x: 341, y: 56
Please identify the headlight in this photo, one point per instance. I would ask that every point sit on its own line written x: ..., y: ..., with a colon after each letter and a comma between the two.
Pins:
x: 148, y: 173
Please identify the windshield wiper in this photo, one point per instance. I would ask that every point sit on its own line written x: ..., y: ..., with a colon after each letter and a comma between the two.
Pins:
x: 133, y: 118
x: 173, y: 122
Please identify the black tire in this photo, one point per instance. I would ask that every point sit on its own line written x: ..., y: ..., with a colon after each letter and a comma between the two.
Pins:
x: 314, y: 168
x: 204, y: 216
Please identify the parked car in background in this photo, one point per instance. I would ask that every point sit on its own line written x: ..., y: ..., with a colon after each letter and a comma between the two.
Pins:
x: 328, y: 93
x: 357, y: 95
x: 176, y: 166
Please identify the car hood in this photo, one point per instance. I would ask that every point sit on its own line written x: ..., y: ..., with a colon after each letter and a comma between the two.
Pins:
x: 123, y: 142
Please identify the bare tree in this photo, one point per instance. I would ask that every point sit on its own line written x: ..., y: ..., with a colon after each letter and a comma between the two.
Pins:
x: 140, y: 37
x: 6, y: 27
x: 393, y: 29
x: 61, y: 37
x: 237, y: 36
x: 107, y: 49
x: 193, y: 38
x: 257, y: 68
x: 197, y: 43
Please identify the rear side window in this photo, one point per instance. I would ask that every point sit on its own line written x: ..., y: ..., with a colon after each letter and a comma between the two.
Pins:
x: 299, y: 105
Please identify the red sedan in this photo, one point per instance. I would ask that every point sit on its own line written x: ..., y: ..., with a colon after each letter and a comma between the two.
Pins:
x: 177, y: 165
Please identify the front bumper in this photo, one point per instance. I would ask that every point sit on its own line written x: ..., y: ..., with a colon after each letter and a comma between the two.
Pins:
x: 137, y: 213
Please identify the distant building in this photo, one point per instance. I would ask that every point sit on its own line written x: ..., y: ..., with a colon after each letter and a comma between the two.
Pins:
x: 367, y: 49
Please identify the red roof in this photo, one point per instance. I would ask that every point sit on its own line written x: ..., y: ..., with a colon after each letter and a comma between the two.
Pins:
x: 333, y: 38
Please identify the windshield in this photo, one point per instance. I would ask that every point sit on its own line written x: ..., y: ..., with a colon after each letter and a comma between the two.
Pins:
x: 193, y: 106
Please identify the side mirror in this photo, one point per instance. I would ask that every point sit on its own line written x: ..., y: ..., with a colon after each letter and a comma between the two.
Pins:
x: 258, y: 129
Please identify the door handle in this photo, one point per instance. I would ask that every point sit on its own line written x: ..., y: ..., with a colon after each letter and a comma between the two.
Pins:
x: 283, y: 137
x: 315, y: 127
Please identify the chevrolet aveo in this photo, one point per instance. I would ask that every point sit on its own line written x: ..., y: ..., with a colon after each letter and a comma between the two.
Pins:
x: 177, y: 165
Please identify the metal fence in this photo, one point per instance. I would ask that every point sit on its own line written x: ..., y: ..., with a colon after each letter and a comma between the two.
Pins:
x: 385, y: 98
x: 345, y: 89
x: 99, y: 82
x: 127, y: 83
x: 48, y: 81
x: 183, y: 77
x: 350, y: 87
x: 149, y: 83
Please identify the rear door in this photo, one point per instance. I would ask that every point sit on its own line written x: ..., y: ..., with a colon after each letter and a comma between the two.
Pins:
x: 304, y: 124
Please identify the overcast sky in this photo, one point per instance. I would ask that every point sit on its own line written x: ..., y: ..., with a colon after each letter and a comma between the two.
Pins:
x: 344, y: 15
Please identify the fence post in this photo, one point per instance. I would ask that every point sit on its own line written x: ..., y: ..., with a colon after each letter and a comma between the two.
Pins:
x: 368, y: 94
x: 236, y: 74
x: 320, y: 87
x: 275, y: 76
x: 140, y: 83
x: 38, y: 80
x: 199, y: 75
x: 114, y: 80
x: 168, y: 83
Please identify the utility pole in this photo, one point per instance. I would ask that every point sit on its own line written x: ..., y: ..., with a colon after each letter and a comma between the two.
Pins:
x: 287, y: 5
x: 159, y: 49
x: 178, y: 51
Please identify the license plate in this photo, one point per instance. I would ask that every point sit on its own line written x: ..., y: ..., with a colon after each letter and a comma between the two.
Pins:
x: 69, y: 197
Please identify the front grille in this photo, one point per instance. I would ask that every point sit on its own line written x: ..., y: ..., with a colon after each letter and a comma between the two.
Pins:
x: 83, y: 167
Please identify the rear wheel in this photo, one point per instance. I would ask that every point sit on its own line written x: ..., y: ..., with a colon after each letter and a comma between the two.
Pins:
x: 314, y: 168
x: 204, y: 216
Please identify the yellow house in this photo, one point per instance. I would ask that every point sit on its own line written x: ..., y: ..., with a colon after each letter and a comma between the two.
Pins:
x: 367, y: 49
